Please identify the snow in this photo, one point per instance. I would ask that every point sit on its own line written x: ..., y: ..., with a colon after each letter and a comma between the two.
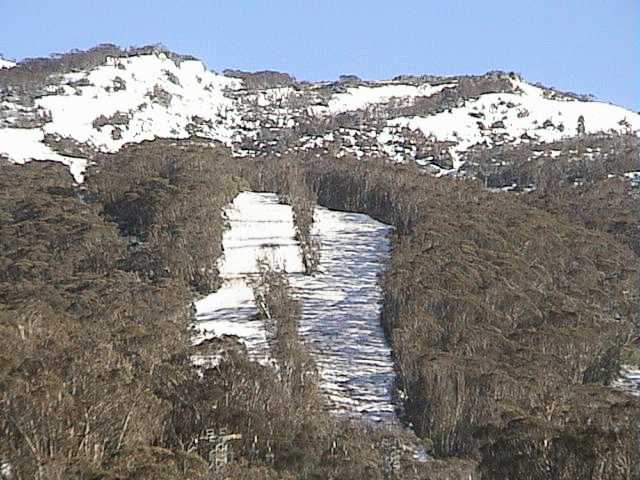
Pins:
x: 634, y: 177
x: 358, y: 98
x: 340, y: 305
x: 523, y: 112
x: 341, y: 314
x: 271, y: 96
x: 23, y: 145
x: 194, y: 92
x: 260, y: 227
x: 6, y: 63
x: 73, y: 106
x: 629, y: 380
x: 5, y: 469
x: 157, y: 97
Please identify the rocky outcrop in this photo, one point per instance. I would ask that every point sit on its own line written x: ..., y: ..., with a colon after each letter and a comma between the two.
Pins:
x: 262, y: 80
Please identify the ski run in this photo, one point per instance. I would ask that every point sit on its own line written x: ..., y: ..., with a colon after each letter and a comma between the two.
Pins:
x: 340, y: 304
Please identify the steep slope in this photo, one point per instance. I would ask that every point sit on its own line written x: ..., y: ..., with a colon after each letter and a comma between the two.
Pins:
x: 527, y: 114
x: 258, y: 227
x: 128, y: 99
x: 341, y: 314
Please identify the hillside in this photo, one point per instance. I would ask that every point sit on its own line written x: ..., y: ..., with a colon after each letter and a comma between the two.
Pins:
x: 73, y: 106
x: 419, y: 278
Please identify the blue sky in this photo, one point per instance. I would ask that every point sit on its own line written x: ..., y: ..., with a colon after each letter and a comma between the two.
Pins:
x: 586, y: 46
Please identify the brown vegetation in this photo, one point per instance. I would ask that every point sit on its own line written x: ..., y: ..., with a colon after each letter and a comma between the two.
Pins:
x: 582, y: 182
x: 262, y: 80
x: 280, y: 312
x: 295, y: 191
x: 506, y: 322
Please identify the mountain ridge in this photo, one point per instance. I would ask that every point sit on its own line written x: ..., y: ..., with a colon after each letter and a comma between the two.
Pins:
x: 73, y: 106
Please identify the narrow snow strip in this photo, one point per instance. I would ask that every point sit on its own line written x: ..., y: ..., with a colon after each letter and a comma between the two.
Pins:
x: 260, y: 227
x: 341, y: 314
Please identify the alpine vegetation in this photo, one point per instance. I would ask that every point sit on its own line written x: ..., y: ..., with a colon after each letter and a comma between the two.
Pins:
x: 242, y: 275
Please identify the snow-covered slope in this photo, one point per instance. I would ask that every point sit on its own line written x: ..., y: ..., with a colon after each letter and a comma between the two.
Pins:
x: 6, y: 63
x: 340, y: 305
x: 499, y: 118
x: 131, y: 98
x: 341, y: 313
x: 128, y: 99
x: 259, y: 227
x: 155, y: 97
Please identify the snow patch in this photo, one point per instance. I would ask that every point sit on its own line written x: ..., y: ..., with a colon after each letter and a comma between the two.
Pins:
x: 260, y: 227
x: 634, y: 177
x: 341, y: 304
x: 159, y: 96
x: 629, y: 380
x: 152, y: 97
x: 22, y: 145
x: 6, y: 63
x: 358, y: 98
x: 500, y: 117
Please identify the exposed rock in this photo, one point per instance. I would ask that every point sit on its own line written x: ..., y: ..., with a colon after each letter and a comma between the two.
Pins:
x: 116, y: 133
x: 262, y: 80
x: 160, y: 95
x: 118, y: 118
x: 68, y: 146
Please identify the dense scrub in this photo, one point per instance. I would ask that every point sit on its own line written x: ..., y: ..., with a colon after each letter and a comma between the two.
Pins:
x: 581, y: 179
x: 94, y: 315
x: 467, y: 87
x: 262, y: 80
x: 506, y: 322
x: 503, y: 317
x: 86, y: 344
x: 295, y: 191
x: 280, y: 312
x: 168, y: 207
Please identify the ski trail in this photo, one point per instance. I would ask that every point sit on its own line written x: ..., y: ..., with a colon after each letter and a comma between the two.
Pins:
x: 341, y: 314
x: 341, y: 304
x: 259, y: 227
